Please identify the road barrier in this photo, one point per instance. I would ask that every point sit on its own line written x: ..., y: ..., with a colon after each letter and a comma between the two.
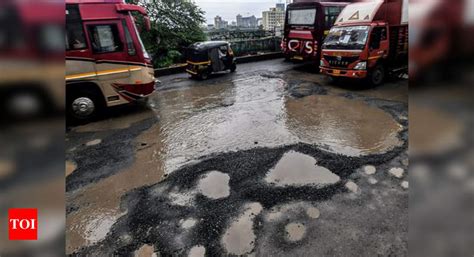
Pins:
x: 242, y: 59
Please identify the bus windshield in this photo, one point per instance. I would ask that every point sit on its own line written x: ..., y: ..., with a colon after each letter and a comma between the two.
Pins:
x: 353, y: 37
x: 301, y: 16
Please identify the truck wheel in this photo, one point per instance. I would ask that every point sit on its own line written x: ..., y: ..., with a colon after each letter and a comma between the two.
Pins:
x: 233, y: 67
x: 84, y: 105
x: 377, y: 76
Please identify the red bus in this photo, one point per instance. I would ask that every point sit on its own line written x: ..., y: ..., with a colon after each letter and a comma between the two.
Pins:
x: 306, y: 25
x: 106, y: 61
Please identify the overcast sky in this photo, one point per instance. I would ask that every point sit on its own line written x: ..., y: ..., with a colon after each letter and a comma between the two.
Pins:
x: 228, y: 9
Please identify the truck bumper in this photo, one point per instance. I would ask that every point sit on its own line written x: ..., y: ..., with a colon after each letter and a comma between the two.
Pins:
x: 356, y: 74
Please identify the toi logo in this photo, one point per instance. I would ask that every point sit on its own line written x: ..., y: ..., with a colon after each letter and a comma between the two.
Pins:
x: 23, y: 224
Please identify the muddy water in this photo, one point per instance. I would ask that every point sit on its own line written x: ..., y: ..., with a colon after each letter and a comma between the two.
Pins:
x: 99, y: 203
x: 237, y: 115
x: 239, y: 239
x: 300, y: 169
x: 70, y: 167
x: 347, y: 126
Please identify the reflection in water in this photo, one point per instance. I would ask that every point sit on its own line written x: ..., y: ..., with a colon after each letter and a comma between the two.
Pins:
x: 297, y: 169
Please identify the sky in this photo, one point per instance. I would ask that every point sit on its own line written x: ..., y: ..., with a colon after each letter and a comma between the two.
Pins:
x: 228, y: 9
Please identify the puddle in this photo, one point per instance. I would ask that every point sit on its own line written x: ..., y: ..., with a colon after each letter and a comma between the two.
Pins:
x: 145, y: 251
x: 121, y: 122
x: 351, y: 186
x: 215, y: 185
x: 396, y: 172
x: 240, y: 237
x: 405, y: 184
x: 433, y: 132
x: 197, y: 251
x: 370, y: 170
x: 88, y: 223
x: 189, y: 223
x: 346, y: 126
x: 97, y: 227
x: 227, y: 116
x: 70, y: 167
x: 295, y: 231
x: 94, y: 142
x: 313, y: 212
x: 297, y: 169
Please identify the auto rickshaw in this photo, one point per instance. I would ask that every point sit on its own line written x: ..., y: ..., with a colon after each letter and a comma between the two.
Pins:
x: 204, y: 58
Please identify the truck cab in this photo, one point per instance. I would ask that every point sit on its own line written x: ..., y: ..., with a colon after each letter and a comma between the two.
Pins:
x: 369, y: 41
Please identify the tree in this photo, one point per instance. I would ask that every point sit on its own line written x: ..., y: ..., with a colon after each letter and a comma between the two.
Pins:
x: 177, y: 23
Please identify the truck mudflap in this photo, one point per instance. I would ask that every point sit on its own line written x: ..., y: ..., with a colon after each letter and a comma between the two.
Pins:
x: 357, y: 74
x: 135, y: 92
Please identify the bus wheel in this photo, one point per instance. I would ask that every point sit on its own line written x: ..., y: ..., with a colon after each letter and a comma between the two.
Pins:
x: 233, y: 67
x: 377, y: 76
x: 83, y: 106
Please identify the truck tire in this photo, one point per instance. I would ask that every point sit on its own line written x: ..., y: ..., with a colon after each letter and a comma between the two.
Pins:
x: 377, y: 76
x: 83, y: 105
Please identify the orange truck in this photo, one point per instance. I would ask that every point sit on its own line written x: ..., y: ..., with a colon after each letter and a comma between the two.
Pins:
x: 369, y: 41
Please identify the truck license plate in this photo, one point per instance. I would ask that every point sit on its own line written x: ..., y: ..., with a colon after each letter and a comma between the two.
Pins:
x: 336, y: 72
x: 298, y: 57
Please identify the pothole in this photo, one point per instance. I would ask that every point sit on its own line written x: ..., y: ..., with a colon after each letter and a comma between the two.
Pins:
x: 197, y: 251
x: 297, y: 169
x: 215, y: 185
x: 295, y: 231
x: 239, y: 239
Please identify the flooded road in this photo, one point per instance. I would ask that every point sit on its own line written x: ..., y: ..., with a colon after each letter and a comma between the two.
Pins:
x: 245, y: 163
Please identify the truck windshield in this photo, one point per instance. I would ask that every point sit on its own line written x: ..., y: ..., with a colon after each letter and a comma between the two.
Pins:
x: 301, y: 16
x: 353, y: 37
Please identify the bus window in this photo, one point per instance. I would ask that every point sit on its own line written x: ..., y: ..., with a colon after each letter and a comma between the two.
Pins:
x: 301, y: 16
x: 128, y: 38
x: 105, y: 38
x: 75, y: 39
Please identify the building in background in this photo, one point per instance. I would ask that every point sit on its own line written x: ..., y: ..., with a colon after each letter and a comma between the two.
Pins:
x: 246, y: 22
x: 280, y: 6
x: 274, y: 19
x: 219, y: 23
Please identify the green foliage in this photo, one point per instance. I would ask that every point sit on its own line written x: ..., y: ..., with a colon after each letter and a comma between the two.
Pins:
x: 177, y: 23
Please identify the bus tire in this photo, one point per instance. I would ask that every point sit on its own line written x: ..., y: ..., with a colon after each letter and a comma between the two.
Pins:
x: 377, y: 76
x: 84, y: 105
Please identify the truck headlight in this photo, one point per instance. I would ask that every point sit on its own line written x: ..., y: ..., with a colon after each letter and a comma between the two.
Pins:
x: 361, y: 66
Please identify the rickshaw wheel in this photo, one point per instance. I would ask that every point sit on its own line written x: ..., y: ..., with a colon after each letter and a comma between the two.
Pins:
x: 204, y: 75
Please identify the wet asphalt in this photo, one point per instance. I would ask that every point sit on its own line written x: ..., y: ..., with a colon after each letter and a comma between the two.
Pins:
x: 300, y: 167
